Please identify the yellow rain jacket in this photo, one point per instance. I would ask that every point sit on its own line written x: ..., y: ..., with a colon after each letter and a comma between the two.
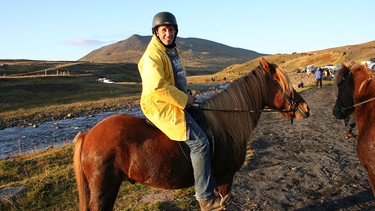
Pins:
x: 161, y: 101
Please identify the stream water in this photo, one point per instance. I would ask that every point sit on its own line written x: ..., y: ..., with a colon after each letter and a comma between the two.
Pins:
x: 20, y: 140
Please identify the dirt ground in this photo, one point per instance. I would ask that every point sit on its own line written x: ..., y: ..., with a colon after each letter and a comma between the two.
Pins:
x: 307, y: 165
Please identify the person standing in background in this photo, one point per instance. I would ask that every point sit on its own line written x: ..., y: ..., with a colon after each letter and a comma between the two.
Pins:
x: 318, y: 77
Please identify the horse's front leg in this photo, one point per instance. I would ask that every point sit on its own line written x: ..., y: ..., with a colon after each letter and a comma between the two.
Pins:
x: 223, y: 190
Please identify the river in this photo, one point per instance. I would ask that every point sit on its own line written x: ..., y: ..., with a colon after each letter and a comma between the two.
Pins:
x: 20, y: 140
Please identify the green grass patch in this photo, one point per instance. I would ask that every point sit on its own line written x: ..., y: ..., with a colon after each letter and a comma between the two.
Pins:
x: 49, y: 177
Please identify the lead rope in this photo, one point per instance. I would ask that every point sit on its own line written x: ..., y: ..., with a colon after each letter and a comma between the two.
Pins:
x: 363, y: 102
x: 198, y: 107
x: 183, y: 152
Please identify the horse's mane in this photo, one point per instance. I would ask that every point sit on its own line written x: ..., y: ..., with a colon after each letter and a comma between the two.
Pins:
x: 365, y: 74
x: 246, y: 93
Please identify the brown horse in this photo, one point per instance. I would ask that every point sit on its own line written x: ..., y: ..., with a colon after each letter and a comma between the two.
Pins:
x: 122, y: 147
x: 356, y: 93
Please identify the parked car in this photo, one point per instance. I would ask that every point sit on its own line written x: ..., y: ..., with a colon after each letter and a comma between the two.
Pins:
x: 330, y: 67
x: 333, y: 74
x: 310, y: 69
x: 371, y: 64
x: 297, y: 70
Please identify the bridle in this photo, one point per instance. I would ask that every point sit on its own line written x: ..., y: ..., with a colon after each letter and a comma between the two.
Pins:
x: 342, y: 85
x: 293, y: 104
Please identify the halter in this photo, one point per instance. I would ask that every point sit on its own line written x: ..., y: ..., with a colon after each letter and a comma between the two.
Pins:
x: 343, y: 84
x: 340, y: 106
x: 293, y: 104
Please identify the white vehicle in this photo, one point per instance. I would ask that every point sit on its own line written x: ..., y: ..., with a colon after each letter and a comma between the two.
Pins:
x: 370, y: 63
x: 107, y: 81
x: 331, y: 67
x: 310, y: 69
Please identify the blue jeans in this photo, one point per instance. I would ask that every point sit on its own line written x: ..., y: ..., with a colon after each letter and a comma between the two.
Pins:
x: 201, y: 160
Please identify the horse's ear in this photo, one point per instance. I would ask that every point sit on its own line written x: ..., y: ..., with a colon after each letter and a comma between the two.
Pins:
x: 266, y: 65
x: 346, y: 66
x: 343, y: 66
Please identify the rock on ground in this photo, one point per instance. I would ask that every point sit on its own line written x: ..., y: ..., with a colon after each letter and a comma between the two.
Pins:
x: 9, y: 194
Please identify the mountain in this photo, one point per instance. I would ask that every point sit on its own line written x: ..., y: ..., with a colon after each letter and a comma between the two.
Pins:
x: 200, y: 56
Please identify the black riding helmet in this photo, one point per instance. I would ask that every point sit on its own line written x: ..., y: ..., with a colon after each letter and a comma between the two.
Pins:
x: 164, y: 19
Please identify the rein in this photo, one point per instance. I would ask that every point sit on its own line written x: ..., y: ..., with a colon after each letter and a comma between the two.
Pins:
x: 197, y: 106
x: 358, y: 104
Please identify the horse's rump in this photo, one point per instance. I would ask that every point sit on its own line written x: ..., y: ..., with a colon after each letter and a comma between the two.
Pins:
x: 138, y: 150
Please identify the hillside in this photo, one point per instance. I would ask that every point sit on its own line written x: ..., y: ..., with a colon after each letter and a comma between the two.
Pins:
x: 200, y: 56
x: 127, y: 72
x: 335, y: 56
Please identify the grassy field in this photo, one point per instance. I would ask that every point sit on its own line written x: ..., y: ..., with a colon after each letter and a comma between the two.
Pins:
x: 36, y: 88
x: 49, y: 177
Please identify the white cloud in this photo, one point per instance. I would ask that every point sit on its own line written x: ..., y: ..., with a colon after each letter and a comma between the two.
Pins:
x: 84, y: 42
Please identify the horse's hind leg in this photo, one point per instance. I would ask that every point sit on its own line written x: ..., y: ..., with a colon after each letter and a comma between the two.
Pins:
x: 104, y: 185
x: 103, y: 196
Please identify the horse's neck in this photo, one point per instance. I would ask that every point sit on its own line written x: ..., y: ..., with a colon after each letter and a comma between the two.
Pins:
x: 236, y: 125
x: 232, y: 130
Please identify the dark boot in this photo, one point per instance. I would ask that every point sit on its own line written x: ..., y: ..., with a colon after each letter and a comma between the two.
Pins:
x: 215, y: 204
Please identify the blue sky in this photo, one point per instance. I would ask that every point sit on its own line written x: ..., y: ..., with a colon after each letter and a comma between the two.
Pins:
x: 70, y: 29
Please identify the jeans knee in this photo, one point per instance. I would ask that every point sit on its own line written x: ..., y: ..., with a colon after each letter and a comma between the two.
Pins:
x: 198, y: 145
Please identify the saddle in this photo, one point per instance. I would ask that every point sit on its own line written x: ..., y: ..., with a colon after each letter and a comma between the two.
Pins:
x: 195, y: 113
x: 201, y: 121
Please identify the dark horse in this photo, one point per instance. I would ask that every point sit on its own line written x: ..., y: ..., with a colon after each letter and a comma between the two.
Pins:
x: 123, y: 147
x: 356, y: 93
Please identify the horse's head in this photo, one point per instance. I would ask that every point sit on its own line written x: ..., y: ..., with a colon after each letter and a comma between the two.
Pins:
x: 286, y: 98
x: 345, y: 98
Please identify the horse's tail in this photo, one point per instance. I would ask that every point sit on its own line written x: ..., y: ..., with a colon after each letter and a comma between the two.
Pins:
x: 82, y: 185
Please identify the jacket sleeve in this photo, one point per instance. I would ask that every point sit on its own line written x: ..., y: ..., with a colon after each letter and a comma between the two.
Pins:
x: 158, y: 80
